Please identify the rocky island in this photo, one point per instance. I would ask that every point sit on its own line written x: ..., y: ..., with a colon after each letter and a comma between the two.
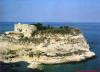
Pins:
x: 38, y: 44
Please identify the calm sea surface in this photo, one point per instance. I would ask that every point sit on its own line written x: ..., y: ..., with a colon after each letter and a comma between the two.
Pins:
x: 91, y: 32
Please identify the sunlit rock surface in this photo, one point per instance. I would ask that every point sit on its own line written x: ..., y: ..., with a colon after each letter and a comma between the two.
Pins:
x: 54, y: 49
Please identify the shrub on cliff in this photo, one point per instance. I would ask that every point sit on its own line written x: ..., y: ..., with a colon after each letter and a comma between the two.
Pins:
x: 37, y: 53
x: 11, y: 54
x: 41, y: 27
x: 61, y: 30
x: 31, y: 54
x: 33, y: 40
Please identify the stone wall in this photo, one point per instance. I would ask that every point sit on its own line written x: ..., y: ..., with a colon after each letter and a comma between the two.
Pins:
x: 26, y: 29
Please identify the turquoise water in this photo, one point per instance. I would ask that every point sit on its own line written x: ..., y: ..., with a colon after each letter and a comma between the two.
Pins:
x: 91, y: 32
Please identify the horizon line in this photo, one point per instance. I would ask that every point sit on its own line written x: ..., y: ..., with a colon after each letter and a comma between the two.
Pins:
x: 50, y: 21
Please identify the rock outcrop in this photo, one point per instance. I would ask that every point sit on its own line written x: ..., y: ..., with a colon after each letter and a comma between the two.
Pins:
x: 52, y: 49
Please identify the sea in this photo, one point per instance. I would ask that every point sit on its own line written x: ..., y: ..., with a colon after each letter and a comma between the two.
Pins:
x: 91, y: 32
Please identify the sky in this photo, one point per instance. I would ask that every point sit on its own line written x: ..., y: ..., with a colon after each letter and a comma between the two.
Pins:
x: 50, y: 10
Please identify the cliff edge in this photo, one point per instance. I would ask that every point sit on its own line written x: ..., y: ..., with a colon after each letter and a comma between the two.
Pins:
x: 49, y: 46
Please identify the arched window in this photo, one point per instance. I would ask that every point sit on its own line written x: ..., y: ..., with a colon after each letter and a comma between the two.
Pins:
x: 20, y: 30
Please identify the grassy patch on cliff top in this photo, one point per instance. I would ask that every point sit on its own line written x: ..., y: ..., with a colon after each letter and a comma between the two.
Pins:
x: 60, y: 30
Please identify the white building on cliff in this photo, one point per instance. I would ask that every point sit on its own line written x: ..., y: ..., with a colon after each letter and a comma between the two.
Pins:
x: 24, y: 29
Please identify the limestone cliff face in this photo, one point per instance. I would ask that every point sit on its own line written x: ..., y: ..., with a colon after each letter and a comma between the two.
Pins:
x: 63, y: 43
x: 55, y: 48
x: 64, y: 48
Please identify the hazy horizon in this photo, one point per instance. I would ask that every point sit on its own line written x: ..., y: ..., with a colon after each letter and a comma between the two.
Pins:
x: 87, y: 11
x: 51, y: 22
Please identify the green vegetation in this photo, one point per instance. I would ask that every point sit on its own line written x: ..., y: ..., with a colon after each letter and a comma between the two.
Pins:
x: 61, y: 30
x: 78, y: 52
x: 48, y: 30
x: 48, y: 42
x: 33, y: 40
x: 41, y: 27
x: 27, y: 49
x: 37, y: 53
x: 31, y: 54
x: 24, y: 39
x: 11, y: 54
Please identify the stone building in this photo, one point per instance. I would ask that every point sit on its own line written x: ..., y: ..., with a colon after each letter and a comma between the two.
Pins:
x: 26, y: 29
x: 21, y: 30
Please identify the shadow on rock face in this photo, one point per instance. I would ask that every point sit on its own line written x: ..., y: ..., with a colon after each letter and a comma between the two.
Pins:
x: 17, y: 67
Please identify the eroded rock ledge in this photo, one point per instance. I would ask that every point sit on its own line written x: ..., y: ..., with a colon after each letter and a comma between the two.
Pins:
x: 46, y: 49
